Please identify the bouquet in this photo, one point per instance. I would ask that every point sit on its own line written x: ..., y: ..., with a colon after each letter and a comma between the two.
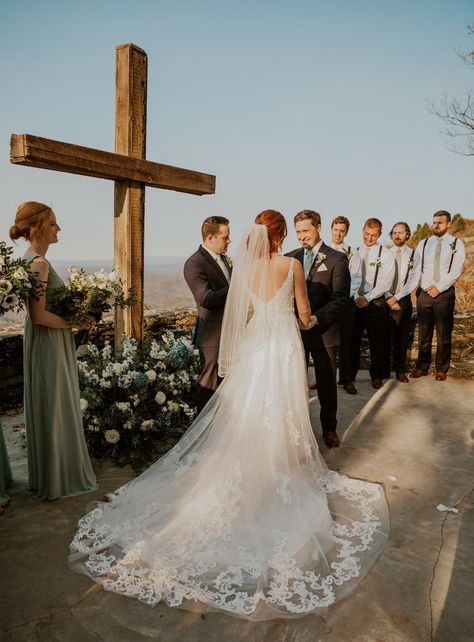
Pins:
x: 85, y: 297
x: 17, y: 283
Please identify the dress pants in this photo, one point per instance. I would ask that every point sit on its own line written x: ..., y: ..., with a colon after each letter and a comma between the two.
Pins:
x: 208, y: 379
x: 435, y: 313
x: 399, y: 330
x: 346, y: 327
x: 373, y: 318
x: 324, y: 360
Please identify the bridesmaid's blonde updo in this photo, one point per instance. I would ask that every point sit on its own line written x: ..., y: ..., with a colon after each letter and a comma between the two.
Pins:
x: 31, y: 220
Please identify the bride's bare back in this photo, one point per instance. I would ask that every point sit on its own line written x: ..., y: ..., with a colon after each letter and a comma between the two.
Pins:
x: 278, y: 272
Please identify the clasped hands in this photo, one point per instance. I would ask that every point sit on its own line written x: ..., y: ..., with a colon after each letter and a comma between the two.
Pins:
x: 312, y: 322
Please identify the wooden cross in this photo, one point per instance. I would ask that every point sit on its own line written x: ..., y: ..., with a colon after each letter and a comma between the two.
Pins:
x: 127, y: 167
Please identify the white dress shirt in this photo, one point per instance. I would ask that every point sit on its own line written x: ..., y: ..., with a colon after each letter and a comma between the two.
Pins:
x: 413, y: 273
x: 354, y: 266
x: 447, y: 251
x: 220, y: 262
x: 385, y: 273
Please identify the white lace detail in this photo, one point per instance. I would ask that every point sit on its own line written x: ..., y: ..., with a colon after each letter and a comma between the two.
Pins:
x: 242, y: 514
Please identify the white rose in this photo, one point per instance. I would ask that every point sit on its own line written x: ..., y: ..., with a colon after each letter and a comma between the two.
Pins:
x: 5, y: 286
x: 147, y: 424
x: 160, y: 397
x: 151, y: 375
x: 111, y: 436
x: 128, y: 425
x: 84, y: 405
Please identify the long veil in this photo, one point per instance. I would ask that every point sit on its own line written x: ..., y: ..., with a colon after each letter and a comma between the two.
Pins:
x: 249, y: 277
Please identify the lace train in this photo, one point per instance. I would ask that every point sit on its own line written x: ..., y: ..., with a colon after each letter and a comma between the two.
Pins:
x: 242, y: 515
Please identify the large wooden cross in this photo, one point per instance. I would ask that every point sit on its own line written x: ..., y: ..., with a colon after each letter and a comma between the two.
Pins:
x: 127, y: 167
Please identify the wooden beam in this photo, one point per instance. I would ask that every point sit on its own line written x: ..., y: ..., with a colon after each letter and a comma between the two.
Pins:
x: 129, y: 221
x: 34, y: 151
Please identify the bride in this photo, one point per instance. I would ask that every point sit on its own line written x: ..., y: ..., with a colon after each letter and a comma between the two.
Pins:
x: 242, y: 515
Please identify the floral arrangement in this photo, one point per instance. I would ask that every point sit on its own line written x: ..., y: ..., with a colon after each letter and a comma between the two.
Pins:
x: 139, y: 399
x: 85, y: 297
x: 17, y: 283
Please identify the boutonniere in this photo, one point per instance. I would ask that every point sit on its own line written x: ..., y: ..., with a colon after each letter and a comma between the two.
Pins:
x: 228, y: 260
x: 348, y: 254
x: 453, y: 247
x: 320, y: 257
x: 376, y: 264
x: 410, y: 265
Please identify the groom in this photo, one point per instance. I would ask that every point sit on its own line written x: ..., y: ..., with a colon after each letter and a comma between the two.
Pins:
x: 328, y: 281
x: 207, y: 273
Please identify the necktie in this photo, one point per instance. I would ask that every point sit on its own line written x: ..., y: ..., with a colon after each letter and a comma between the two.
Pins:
x: 222, y: 265
x: 308, y: 261
x: 364, y: 272
x: 398, y: 267
x: 437, y: 262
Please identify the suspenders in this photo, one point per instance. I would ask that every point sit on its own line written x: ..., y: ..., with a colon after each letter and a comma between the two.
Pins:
x: 450, y: 262
x: 377, y: 269
x: 410, y: 265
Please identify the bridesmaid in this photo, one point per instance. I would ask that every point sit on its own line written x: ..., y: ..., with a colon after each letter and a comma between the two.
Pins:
x: 5, y: 473
x: 58, y: 461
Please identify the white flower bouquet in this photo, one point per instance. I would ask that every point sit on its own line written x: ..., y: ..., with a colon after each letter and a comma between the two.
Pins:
x: 17, y: 282
x: 85, y: 297
x: 138, y: 402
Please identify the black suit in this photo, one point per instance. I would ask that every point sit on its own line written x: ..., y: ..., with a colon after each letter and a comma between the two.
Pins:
x: 209, y: 287
x: 328, y: 293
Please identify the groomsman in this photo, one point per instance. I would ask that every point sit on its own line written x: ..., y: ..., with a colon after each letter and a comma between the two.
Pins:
x: 442, y: 259
x: 207, y: 273
x: 371, y: 311
x: 328, y: 283
x: 405, y: 280
x: 339, y: 229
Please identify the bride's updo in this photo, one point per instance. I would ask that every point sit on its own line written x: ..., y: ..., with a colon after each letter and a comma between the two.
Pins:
x: 276, y: 226
x: 31, y: 220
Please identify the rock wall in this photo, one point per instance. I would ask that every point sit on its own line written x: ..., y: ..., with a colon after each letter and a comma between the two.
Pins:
x: 182, y: 322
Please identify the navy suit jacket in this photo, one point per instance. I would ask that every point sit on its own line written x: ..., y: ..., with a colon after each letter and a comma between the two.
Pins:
x: 209, y: 287
x: 328, y: 284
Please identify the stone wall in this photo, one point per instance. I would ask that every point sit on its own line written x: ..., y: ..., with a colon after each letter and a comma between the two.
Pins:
x: 11, y: 348
x: 182, y: 322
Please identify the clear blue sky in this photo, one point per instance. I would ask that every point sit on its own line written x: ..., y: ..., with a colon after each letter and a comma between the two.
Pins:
x: 292, y: 104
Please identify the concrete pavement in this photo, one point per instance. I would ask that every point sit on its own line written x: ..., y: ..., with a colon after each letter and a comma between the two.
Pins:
x: 417, y: 439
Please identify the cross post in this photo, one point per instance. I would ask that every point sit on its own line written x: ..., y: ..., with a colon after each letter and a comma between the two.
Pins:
x: 127, y: 167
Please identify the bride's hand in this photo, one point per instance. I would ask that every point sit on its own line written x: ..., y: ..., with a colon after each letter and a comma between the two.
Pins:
x: 312, y: 322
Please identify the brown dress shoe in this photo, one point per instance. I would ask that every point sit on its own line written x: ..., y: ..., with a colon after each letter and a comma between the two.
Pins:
x: 313, y: 385
x: 441, y: 376
x: 350, y: 388
x: 401, y: 376
x: 377, y: 383
x: 416, y: 374
x: 330, y: 438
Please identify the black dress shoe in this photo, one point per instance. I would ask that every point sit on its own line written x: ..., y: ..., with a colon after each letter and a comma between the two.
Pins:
x: 350, y: 388
x: 377, y: 383
x: 401, y: 376
x: 330, y: 438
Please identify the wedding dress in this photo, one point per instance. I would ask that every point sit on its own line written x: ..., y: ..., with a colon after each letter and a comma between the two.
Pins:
x: 242, y: 515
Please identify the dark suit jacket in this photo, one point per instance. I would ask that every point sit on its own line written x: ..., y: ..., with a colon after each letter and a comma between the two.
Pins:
x: 328, y: 293
x: 209, y: 288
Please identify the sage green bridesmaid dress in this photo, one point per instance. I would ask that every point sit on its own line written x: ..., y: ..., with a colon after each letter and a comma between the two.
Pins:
x: 5, y: 471
x: 58, y: 460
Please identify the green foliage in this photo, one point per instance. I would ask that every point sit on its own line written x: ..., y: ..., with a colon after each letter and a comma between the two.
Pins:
x: 138, y: 398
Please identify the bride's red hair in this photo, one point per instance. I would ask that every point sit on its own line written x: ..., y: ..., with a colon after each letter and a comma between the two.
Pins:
x: 276, y: 226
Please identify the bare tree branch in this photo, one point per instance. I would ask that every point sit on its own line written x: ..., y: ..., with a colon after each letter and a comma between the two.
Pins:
x: 458, y: 113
